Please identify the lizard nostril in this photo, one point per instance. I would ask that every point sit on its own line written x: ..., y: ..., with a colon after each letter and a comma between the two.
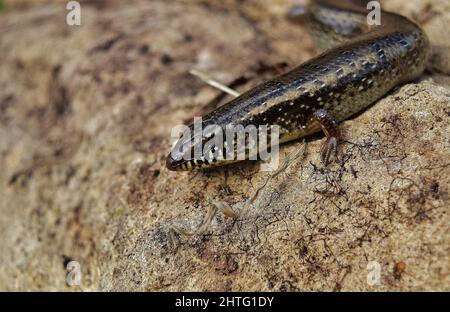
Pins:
x: 172, y: 164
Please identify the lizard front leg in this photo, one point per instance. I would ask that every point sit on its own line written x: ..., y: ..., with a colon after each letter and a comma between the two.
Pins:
x: 330, y: 127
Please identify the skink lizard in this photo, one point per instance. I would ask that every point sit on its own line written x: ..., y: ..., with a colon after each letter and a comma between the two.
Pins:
x: 361, y: 64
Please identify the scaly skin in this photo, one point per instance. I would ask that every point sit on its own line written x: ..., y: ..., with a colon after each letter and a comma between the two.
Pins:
x: 361, y: 65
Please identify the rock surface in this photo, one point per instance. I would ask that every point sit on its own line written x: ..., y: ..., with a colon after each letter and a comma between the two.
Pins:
x: 85, y: 120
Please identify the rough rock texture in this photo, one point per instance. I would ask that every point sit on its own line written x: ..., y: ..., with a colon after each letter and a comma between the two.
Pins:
x: 85, y: 120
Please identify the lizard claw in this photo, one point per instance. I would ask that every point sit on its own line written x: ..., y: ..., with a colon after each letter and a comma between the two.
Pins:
x: 328, y: 149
